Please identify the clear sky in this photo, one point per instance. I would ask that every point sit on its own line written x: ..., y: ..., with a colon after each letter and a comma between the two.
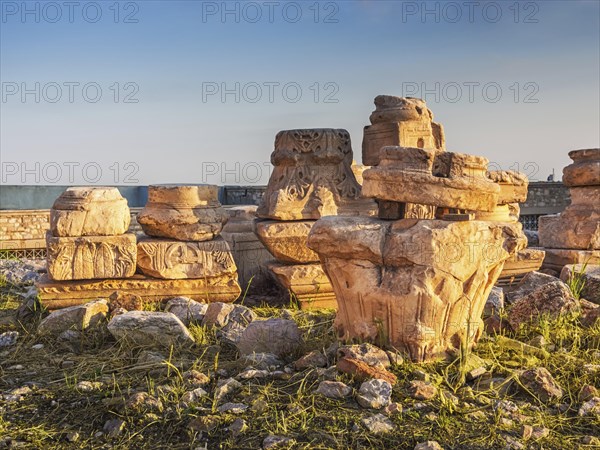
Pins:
x: 190, y: 91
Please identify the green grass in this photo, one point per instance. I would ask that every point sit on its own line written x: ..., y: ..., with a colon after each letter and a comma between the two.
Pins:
x: 288, y: 406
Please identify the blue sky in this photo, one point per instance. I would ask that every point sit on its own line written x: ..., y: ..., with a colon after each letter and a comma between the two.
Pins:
x: 539, y: 63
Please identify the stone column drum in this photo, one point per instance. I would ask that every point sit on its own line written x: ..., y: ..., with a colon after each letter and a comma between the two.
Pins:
x: 573, y: 236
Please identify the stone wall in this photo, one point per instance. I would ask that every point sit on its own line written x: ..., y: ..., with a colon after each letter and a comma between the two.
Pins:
x: 26, y: 229
x: 543, y: 198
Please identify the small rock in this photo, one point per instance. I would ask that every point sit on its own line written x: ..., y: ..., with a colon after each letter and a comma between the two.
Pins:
x: 590, y: 276
x: 195, y: 378
x: 89, y: 386
x: 76, y: 318
x: 590, y: 313
x: 396, y: 358
x: 226, y: 387
x: 259, y: 406
x: 67, y: 364
x: 278, y: 336
x: 119, y: 300
x: 194, y: 396
x: 494, y: 302
x: 393, y: 409
x: 329, y: 374
x: 588, y: 392
x: 367, y: 353
x: 69, y: 336
x: 8, y: 338
x: 253, y: 373
x: 238, y: 426
x: 378, y: 424
x: 204, y: 423
x: 539, y: 294
x: 232, y: 408
x: 37, y: 347
x: 334, y: 389
x: 363, y: 371
x: 591, y: 407
x: 374, y: 394
x: 265, y: 361
x: 147, y: 357
x: 150, y: 328
x: 422, y: 390
x: 513, y: 443
x: 429, y: 445
x: 230, y: 319
x: 311, y: 360
x: 590, y: 440
x: 538, y: 341
x: 113, y: 428
x: 419, y: 374
x: 72, y: 436
x: 277, y: 442
x: 142, y: 401
x: 187, y: 310
x: 541, y: 383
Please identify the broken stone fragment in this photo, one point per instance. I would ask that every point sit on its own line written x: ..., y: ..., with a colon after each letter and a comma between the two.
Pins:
x: 175, y: 259
x: 148, y: 328
x: 430, y: 177
x: 540, y: 383
x: 312, y: 177
x: 91, y: 257
x: 585, y: 169
x: 590, y: 277
x: 362, y: 371
x: 286, y: 241
x: 89, y: 211
x: 183, y: 212
x: 76, y: 318
x: 278, y: 336
x: 402, y: 121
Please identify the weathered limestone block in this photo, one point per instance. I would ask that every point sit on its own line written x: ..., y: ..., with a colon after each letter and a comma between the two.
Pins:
x: 430, y: 177
x: 578, y: 226
x: 513, y: 185
x: 183, y: 212
x: 357, y: 170
x: 172, y: 259
x: 89, y: 211
x: 557, y: 258
x: 56, y: 295
x: 523, y: 262
x: 313, y: 177
x: 585, y: 170
x: 91, y: 257
x: 307, y: 282
x: 590, y: 275
x: 248, y: 251
x: 286, y: 241
x: 398, y: 121
x: 422, y: 284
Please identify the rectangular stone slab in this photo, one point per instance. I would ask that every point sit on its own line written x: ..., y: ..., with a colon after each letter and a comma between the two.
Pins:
x: 61, y: 294
x: 557, y: 258
x: 523, y: 262
x: 91, y: 257
x: 307, y: 282
x: 172, y: 259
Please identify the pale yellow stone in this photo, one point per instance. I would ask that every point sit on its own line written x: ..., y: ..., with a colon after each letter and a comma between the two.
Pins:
x: 399, y: 121
x: 91, y: 257
x: 286, y: 241
x: 61, y: 294
x: 419, y: 284
x: 431, y: 177
x: 585, y: 170
x: 307, y: 282
x: 89, y: 211
x: 183, y: 212
x: 312, y: 177
x: 173, y: 259
x: 513, y: 186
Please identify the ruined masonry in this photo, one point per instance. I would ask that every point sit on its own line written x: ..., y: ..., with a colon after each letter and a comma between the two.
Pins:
x: 312, y: 178
x: 180, y: 254
x: 573, y: 236
x: 421, y: 284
